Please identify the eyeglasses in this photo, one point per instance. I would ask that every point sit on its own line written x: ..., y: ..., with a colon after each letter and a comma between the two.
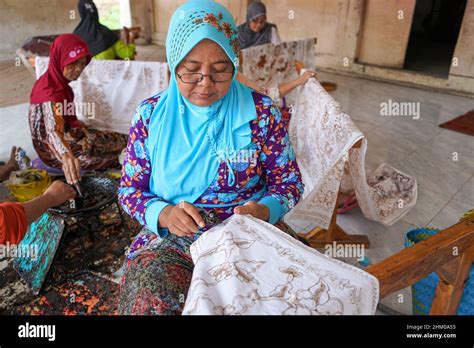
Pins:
x: 260, y: 20
x: 193, y: 78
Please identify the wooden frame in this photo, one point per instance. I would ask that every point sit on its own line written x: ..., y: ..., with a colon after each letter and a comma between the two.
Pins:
x: 319, y: 237
x: 450, y: 254
x: 129, y: 34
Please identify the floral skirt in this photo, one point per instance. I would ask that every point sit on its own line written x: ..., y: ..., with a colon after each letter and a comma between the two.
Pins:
x: 158, y: 272
x: 95, y: 149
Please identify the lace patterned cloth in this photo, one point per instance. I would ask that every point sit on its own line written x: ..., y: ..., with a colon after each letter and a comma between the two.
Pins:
x: 115, y: 88
x: 247, y: 266
x: 322, y: 136
x: 268, y: 65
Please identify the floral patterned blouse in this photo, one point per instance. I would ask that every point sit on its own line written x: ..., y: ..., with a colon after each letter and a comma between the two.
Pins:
x: 266, y: 171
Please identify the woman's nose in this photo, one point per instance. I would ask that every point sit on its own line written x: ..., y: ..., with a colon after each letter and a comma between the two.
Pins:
x: 206, y: 81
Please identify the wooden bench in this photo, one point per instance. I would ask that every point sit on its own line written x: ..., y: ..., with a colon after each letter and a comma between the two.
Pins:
x: 450, y: 254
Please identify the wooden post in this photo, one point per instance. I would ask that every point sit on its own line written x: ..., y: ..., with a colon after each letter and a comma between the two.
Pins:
x: 319, y: 237
x: 436, y: 254
x: 452, y: 281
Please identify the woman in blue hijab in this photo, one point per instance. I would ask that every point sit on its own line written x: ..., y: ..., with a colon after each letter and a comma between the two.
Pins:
x: 202, y: 150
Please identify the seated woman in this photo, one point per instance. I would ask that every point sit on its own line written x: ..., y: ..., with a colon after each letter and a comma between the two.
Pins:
x: 59, y: 138
x: 208, y: 142
x: 103, y: 43
x: 256, y: 30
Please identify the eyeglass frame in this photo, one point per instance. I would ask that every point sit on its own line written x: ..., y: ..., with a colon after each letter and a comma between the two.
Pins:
x: 256, y: 20
x: 204, y: 75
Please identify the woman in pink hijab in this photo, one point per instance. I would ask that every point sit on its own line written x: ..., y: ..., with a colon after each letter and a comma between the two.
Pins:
x: 59, y: 138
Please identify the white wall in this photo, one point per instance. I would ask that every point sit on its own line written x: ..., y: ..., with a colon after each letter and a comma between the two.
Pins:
x: 20, y: 19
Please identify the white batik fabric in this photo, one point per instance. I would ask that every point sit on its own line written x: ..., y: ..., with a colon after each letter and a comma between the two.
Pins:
x: 246, y: 266
x: 323, y: 136
x: 384, y: 195
x: 269, y: 65
x: 108, y: 91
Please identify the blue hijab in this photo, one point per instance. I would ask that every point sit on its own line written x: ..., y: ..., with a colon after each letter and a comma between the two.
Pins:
x: 186, y: 142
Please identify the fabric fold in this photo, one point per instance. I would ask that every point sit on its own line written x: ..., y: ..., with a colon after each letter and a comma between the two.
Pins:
x: 246, y: 266
x: 324, y: 137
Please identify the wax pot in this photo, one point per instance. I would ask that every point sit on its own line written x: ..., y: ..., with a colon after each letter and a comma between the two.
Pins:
x: 97, y: 193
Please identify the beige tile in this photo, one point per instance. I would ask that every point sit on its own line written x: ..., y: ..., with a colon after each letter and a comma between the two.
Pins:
x: 414, y: 133
x: 384, y: 148
x: 360, y: 98
x: 364, y: 126
x: 450, y: 214
x: 447, y: 107
x: 385, y: 240
x: 454, y: 150
x: 428, y: 205
x: 399, y: 301
x: 466, y: 193
x: 433, y: 175
x: 16, y: 85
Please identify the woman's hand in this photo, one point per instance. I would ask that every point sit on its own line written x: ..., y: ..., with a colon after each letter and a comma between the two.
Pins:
x: 306, y: 76
x: 182, y: 219
x: 259, y: 211
x: 12, y: 163
x: 58, y: 193
x: 71, y: 168
x: 10, y: 166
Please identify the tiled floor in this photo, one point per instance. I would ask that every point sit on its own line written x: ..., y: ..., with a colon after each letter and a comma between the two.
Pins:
x: 416, y: 147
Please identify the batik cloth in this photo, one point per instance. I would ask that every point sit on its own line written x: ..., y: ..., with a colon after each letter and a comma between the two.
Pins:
x: 323, y: 137
x: 52, y: 138
x: 246, y: 266
x: 108, y: 91
x: 269, y: 65
x: 158, y: 273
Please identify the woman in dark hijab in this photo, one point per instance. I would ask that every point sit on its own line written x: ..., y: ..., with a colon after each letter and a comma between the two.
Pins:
x: 257, y: 31
x: 103, y: 43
